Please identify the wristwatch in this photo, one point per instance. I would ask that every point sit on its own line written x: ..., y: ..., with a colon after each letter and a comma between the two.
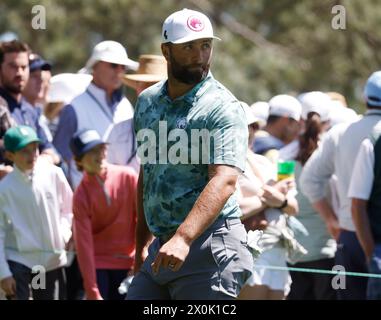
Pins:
x: 284, y: 204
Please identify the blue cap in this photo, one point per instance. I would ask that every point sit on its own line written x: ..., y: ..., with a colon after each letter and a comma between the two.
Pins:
x: 372, y: 91
x: 37, y: 63
x: 83, y: 141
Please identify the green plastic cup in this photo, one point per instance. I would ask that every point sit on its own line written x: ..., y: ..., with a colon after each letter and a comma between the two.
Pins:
x: 286, y: 169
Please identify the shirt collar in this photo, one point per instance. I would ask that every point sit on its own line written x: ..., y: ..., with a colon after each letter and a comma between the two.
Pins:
x: 100, y: 93
x: 25, y: 176
x: 192, y: 95
x: 12, y: 102
x: 25, y: 102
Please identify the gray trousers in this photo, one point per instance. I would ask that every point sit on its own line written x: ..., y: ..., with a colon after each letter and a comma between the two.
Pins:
x: 217, y: 266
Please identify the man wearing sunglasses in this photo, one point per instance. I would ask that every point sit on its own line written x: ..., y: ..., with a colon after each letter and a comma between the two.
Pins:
x: 102, y: 107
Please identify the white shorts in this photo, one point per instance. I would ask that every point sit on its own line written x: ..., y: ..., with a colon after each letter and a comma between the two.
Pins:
x: 274, y: 279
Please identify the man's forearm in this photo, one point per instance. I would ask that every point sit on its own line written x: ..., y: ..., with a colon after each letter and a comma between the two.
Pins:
x: 362, y: 225
x: 207, y: 207
x: 325, y: 210
x: 142, y: 236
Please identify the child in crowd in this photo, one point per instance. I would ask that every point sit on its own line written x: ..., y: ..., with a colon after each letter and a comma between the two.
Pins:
x: 35, y: 221
x: 104, y: 217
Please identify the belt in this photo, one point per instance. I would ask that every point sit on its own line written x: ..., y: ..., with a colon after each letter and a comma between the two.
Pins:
x: 217, y: 224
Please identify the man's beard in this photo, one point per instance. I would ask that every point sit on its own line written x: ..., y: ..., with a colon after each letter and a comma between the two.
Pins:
x: 11, y: 87
x: 185, y: 75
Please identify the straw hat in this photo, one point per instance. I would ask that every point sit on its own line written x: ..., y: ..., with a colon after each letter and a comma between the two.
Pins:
x: 152, y: 68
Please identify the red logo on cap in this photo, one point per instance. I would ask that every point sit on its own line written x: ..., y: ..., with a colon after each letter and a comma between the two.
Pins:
x: 195, y: 24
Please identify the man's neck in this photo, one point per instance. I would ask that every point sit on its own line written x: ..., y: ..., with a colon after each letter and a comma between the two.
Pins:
x: 26, y: 172
x: 16, y: 96
x: 177, y: 89
x: 109, y: 92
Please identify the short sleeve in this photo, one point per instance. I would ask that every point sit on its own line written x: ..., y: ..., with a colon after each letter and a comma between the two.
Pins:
x: 362, y: 178
x: 227, y: 125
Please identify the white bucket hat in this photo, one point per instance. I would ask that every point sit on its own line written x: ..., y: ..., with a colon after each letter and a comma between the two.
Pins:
x: 284, y: 105
x: 64, y: 87
x: 112, y: 52
x: 187, y: 25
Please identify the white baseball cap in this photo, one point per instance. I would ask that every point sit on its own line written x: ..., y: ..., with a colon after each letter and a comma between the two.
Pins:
x: 250, y: 117
x: 261, y: 111
x: 112, y: 52
x: 316, y: 101
x: 64, y: 87
x: 340, y: 114
x: 284, y: 105
x: 187, y: 25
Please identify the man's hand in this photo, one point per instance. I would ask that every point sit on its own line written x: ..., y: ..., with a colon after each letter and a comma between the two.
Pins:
x: 70, y: 245
x: 139, y: 259
x: 9, y: 286
x: 171, y: 255
x: 50, y: 155
x: 333, y: 228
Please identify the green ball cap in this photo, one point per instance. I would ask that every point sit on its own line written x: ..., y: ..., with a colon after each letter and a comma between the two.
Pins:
x: 286, y: 167
x: 16, y: 138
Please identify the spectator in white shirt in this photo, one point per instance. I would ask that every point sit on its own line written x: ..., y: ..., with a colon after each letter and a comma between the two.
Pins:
x: 35, y: 220
x: 364, y: 190
x: 336, y: 155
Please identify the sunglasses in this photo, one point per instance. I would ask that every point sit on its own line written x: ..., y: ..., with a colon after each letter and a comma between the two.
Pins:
x: 116, y: 66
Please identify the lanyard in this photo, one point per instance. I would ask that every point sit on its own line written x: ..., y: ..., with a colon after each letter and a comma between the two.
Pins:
x: 107, y: 113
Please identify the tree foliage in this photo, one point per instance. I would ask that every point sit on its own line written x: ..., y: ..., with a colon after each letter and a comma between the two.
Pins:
x: 268, y: 47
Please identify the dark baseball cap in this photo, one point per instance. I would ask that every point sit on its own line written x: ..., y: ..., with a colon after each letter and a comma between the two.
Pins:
x: 38, y: 63
x: 84, y: 140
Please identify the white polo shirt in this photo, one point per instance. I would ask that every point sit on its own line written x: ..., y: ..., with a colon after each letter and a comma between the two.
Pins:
x: 363, y: 172
x: 35, y: 218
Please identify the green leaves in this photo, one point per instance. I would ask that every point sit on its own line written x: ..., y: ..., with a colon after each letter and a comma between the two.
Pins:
x: 268, y: 47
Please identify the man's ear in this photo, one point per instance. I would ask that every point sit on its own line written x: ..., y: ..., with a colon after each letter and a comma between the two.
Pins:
x: 165, y: 51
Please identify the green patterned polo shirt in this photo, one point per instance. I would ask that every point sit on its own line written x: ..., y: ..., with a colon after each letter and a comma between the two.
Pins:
x: 177, y: 140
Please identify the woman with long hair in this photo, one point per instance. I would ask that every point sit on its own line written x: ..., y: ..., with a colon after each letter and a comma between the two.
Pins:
x: 318, y: 241
x: 264, y: 204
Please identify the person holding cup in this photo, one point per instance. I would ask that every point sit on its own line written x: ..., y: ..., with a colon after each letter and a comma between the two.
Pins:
x: 317, y: 241
x: 265, y: 204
